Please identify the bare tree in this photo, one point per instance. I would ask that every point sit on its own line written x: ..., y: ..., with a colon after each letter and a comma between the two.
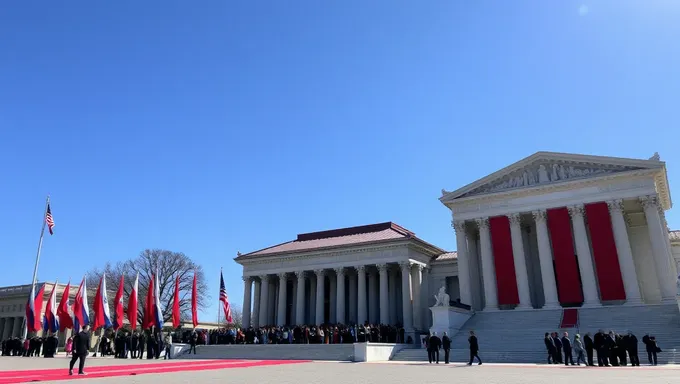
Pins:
x: 169, y: 265
x: 236, y: 317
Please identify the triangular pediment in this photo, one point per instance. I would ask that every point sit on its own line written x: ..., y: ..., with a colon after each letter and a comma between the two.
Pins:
x: 544, y: 168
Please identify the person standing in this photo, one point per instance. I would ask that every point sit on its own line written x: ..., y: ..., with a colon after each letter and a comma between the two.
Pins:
x: 566, y: 346
x: 558, y: 347
x: 134, y: 344
x: 168, y: 344
x: 652, y: 348
x: 550, y: 346
x: 192, y: 342
x: 446, y: 345
x: 81, y: 344
x: 578, y: 349
x: 588, y: 341
x: 433, y: 345
x: 632, y: 347
x: 474, y: 348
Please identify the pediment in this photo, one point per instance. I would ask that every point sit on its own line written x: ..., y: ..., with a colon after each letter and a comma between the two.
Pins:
x: 543, y: 168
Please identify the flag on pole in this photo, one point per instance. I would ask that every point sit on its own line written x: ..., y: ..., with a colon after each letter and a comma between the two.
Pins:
x: 225, y: 300
x: 65, y: 319
x: 158, y: 311
x: 49, y: 220
x: 50, y: 322
x: 194, y: 303
x: 34, y: 308
x: 102, y: 315
x: 119, y: 311
x: 81, y: 310
x: 148, y: 306
x: 132, y: 304
x: 175, y: 305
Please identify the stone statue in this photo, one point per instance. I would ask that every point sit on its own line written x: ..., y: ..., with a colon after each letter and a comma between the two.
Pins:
x: 542, y: 174
x: 442, y: 298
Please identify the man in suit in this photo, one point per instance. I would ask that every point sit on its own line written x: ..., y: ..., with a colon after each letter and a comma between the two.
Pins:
x: 632, y: 347
x: 433, y: 345
x: 550, y: 346
x: 81, y: 347
x: 566, y: 346
x: 589, y: 345
x: 446, y: 345
x: 474, y: 348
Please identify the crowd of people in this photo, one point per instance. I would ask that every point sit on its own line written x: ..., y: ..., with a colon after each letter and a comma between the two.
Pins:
x: 30, y: 347
x: 612, y: 349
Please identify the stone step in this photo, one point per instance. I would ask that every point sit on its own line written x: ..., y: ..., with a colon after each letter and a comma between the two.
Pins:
x: 332, y: 352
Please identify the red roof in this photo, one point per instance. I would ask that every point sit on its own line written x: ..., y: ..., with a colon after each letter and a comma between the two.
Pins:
x: 373, y: 233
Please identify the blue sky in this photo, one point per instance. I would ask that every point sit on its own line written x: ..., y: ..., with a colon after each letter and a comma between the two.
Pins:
x: 235, y: 125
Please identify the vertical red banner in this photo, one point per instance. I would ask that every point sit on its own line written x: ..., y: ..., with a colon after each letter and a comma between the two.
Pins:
x: 566, y: 269
x: 501, y: 242
x: 605, y: 256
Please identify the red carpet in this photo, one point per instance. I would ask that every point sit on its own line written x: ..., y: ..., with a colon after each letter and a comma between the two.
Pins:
x: 569, y: 318
x: 134, y: 369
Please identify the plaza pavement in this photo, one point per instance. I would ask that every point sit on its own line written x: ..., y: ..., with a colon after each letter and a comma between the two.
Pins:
x: 369, y: 373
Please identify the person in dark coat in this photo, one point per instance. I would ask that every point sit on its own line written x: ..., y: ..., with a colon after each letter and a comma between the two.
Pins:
x: 589, y: 346
x: 81, y: 347
x: 550, y: 346
x: 621, y: 347
x: 134, y: 344
x: 651, y: 347
x: 566, y: 346
x: 602, y: 349
x: 558, y: 347
x: 632, y: 348
x: 446, y: 345
x: 433, y: 345
x: 474, y: 348
x: 610, y: 341
x: 141, y: 345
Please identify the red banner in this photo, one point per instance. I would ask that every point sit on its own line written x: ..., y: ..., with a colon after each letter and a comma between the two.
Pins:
x: 501, y: 241
x: 605, y: 256
x: 566, y: 269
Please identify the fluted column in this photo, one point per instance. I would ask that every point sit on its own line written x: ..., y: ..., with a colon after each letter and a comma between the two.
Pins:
x: 373, y: 310
x: 546, y: 260
x: 520, y: 261
x: 392, y: 291
x: 264, y: 299
x: 425, y: 316
x: 247, y: 294
x: 661, y: 256
x: 283, y: 294
x: 352, y: 298
x: 488, y: 267
x: 340, y: 296
x: 406, y: 295
x: 300, y: 307
x: 320, y: 276
x: 361, y: 295
x: 312, y: 301
x: 416, y: 282
x: 384, y: 298
x: 585, y: 258
x: 255, y: 318
x: 463, y: 263
x: 630, y: 281
x: 332, y: 295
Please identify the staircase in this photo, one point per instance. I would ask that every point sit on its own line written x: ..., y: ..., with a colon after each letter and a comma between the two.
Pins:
x: 517, y: 336
x: 333, y: 352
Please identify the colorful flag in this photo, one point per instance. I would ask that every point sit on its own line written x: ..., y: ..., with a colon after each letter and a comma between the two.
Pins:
x: 132, y: 304
x: 148, y: 306
x: 225, y: 300
x: 158, y: 311
x: 81, y: 310
x: 102, y: 315
x: 119, y: 311
x: 49, y: 220
x: 65, y: 319
x: 175, y: 305
x: 34, y: 308
x: 50, y: 322
x: 194, y: 303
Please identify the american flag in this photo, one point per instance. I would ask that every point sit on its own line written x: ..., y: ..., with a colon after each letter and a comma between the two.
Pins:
x: 224, y: 299
x: 49, y: 220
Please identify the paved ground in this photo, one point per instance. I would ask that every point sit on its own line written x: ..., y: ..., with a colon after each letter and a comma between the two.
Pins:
x: 372, y: 373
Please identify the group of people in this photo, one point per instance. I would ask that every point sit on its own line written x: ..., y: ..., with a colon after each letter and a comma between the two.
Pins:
x: 30, y: 347
x: 433, y: 344
x: 133, y: 344
x: 612, y: 349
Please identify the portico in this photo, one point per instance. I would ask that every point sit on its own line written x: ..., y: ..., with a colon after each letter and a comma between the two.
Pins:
x: 564, y: 230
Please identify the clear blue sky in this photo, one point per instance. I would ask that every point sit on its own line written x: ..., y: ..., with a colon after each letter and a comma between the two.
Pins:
x: 235, y: 125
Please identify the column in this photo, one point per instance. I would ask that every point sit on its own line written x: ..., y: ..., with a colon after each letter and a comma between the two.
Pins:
x: 9, y: 328
x: 630, y: 281
x: 520, y: 262
x: 271, y: 304
x: 546, y: 260
x: 264, y: 299
x: 247, y: 294
x: 463, y: 263
x: 333, y: 285
x: 352, y: 298
x: 320, y: 275
x: 585, y: 259
x: 361, y: 295
x: 392, y: 288
x: 384, y: 303
x: 18, y: 322
x: 255, y: 318
x: 425, y: 316
x: 293, y: 317
x: 406, y: 295
x: 340, y: 296
x: 300, y: 307
x: 661, y: 256
x: 373, y: 310
x: 283, y: 293
x: 416, y: 281
x: 312, y: 301
x: 3, y: 322
x: 488, y: 267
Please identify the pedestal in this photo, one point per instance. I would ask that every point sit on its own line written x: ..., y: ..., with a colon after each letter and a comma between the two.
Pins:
x: 448, y: 319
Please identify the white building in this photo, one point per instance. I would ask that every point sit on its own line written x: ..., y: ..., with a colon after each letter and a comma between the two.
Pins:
x: 552, y: 230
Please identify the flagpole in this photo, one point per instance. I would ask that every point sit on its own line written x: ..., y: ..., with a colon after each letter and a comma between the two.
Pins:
x: 37, y: 260
x: 218, y: 307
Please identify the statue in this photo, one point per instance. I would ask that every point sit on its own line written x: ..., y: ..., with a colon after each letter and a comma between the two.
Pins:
x: 442, y: 298
x: 542, y: 174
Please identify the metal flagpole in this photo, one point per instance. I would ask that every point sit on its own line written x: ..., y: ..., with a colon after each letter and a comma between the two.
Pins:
x: 218, y: 305
x: 37, y: 261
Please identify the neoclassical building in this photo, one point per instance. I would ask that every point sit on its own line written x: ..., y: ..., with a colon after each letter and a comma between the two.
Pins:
x: 552, y: 230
